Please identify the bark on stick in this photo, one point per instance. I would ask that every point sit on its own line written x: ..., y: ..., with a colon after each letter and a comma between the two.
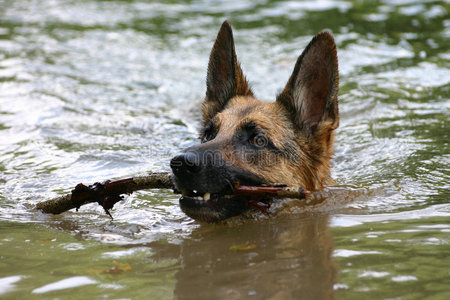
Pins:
x: 110, y: 192
x: 105, y: 194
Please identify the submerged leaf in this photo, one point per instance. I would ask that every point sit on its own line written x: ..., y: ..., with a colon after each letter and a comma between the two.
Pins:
x: 242, y: 247
x: 114, y: 270
x: 125, y: 267
x: 118, y: 268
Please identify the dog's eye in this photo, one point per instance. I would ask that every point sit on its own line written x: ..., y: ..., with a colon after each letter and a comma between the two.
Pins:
x: 207, y: 137
x: 258, y: 140
x: 209, y: 134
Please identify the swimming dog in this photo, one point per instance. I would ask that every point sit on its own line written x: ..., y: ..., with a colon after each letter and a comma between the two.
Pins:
x: 246, y: 141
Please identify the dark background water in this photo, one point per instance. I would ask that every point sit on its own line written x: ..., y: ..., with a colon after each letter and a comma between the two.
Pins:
x: 91, y: 90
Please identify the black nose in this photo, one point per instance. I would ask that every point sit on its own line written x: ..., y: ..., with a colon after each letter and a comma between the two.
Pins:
x: 185, y: 164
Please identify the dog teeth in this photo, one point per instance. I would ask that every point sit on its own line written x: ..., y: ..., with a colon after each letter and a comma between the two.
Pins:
x: 206, y: 196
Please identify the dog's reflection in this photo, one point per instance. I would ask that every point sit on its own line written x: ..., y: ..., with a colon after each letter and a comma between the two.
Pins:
x: 276, y: 259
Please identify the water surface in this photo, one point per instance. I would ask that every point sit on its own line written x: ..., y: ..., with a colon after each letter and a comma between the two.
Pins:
x: 94, y: 90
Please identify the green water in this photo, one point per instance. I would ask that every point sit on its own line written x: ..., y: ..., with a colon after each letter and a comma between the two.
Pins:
x: 92, y: 90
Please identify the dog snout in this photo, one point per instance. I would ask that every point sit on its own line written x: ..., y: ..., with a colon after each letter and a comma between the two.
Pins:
x: 185, y: 164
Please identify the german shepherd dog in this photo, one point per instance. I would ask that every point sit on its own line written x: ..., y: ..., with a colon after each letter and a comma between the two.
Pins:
x: 249, y: 142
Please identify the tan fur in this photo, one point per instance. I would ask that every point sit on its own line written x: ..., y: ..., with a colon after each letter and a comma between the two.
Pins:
x: 313, y: 168
x: 249, y: 142
x: 301, y: 120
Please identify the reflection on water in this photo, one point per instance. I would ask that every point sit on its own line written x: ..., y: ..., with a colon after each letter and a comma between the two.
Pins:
x: 91, y: 90
x: 286, y: 259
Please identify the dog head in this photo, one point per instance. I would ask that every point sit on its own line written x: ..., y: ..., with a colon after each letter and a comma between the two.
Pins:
x: 248, y: 142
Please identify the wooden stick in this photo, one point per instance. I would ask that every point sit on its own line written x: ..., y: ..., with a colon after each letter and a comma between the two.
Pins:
x: 110, y: 192
x: 105, y: 194
x: 274, y: 191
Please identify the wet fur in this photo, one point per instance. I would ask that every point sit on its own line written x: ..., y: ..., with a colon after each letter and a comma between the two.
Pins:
x: 289, y: 141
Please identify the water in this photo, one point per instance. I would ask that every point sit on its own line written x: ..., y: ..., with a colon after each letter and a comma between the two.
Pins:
x: 91, y: 90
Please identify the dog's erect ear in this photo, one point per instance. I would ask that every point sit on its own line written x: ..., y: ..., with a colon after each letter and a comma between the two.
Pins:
x: 311, y: 92
x: 225, y: 78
